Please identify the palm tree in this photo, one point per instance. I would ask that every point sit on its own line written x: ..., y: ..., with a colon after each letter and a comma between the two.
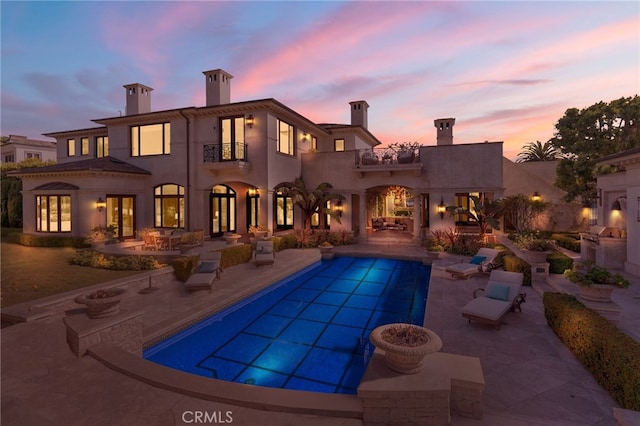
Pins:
x: 538, y: 151
x: 483, y: 211
x: 312, y: 201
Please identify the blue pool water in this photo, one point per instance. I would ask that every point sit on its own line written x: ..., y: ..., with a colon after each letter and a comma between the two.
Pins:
x: 308, y: 332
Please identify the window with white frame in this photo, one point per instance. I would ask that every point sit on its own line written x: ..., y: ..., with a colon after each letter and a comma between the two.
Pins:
x: 53, y: 213
x: 152, y: 139
x: 33, y: 155
x: 286, y: 138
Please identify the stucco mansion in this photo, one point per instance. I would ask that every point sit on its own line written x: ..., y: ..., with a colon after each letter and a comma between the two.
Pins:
x: 221, y: 167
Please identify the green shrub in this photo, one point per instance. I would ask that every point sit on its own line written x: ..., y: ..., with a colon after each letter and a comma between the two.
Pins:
x: 31, y: 240
x: 236, y: 254
x: 559, y: 262
x: 568, y: 241
x: 612, y: 357
x: 515, y: 264
x: 95, y: 259
x: 184, y: 266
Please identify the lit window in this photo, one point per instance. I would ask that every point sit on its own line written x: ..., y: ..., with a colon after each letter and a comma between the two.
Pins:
x: 102, y: 146
x: 84, y: 143
x: 53, y: 213
x: 314, y: 143
x: 71, y: 147
x: 285, y: 138
x: 232, y: 139
x: 284, y: 210
x: 153, y: 139
x: 338, y: 145
x: 169, y: 206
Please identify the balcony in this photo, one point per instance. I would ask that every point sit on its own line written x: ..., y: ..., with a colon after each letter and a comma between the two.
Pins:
x: 226, y: 157
x: 387, y: 161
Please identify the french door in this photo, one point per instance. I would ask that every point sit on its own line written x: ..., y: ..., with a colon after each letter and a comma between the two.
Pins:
x: 121, y: 214
x: 222, y: 210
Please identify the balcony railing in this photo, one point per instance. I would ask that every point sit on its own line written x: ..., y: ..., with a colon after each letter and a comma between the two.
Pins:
x: 386, y: 156
x: 215, y: 153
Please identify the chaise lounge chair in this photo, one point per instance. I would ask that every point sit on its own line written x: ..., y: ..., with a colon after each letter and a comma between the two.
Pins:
x: 479, y: 263
x: 263, y: 254
x: 207, y: 270
x: 501, y: 295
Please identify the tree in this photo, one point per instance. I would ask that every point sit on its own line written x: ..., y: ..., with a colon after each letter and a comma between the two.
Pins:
x: 484, y: 212
x: 519, y: 211
x: 584, y: 136
x: 312, y: 201
x: 538, y: 151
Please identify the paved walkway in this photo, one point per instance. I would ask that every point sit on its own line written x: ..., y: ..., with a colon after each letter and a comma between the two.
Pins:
x: 531, y: 378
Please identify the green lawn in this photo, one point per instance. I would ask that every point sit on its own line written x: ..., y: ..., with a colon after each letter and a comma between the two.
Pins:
x: 30, y: 273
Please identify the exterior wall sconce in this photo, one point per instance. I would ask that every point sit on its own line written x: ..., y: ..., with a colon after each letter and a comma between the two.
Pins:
x: 101, y: 204
x: 338, y: 208
x: 305, y: 137
x: 616, y: 206
x: 253, y: 192
x: 441, y: 208
x: 536, y: 196
x: 250, y: 121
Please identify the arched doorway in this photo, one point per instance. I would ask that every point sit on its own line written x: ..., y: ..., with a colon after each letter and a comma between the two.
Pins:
x: 222, y: 210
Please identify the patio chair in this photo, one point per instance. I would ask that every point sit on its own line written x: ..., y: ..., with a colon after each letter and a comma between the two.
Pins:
x: 207, y: 270
x: 479, y: 263
x: 150, y: 241
x: 263, y: 254
x: 501, y: 295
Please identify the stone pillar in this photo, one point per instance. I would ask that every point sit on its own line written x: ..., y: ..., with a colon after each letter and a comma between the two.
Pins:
x: 124, y: 330
x: 363, y: 237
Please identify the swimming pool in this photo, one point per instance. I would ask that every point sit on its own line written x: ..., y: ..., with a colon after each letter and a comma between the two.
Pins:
x: 308, y: 332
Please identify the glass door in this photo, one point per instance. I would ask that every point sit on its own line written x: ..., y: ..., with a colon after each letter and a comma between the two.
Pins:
x: 223, y: 210
x: 121, y: 215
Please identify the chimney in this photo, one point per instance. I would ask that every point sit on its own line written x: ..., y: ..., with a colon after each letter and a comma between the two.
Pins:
x: 444, y: 135
x: 218, y: 87
x: 359, y: 113
x: 138, y: 98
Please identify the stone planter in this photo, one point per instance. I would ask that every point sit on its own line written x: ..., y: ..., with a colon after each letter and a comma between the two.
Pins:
x: 596, y: 292
x: 232, y: 239
x: 326, y: 252
x: 260, y: 235
x: 538, y: 256
x: 102, y: 303
x: 398, y: 354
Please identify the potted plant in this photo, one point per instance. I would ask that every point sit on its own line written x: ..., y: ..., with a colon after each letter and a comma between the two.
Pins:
x: 596, y: 283
x: 231, y: 237
x: 259, y: 231
x: 100, y: 235
x: 326, y: 249
x: 405, y: 345
x: 102, y: 303
x: 406, y: 151
x: 369, y: 158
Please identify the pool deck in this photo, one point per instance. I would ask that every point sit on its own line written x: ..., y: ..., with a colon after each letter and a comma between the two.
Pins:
x: 531, y: 378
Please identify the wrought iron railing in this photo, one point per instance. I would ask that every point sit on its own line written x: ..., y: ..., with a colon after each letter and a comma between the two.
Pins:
x: 214, y: 153
x: 386, y: 156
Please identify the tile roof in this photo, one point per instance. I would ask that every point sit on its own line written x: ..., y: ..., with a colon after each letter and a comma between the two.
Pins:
x: 103, y: 164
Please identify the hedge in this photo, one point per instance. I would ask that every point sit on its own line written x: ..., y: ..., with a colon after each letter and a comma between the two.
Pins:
x: 612, y: 357
x: 559, y: 262
x: 568, y: 241
x: 515, y: 264
x: 31, y: 240
x: 95, y: 259
x: 184, y: 266
x: 235, y: 255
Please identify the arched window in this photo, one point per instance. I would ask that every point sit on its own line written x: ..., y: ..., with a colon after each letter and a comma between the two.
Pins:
x: 169, y: 206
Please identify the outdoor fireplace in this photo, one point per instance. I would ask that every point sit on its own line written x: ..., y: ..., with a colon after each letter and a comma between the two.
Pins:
x: 604, y: 246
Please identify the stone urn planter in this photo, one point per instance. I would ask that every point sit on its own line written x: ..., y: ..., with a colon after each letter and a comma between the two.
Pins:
x: 595, y: 283
x: 326, y: 250
x: 260, y: 235
x: 232, y: 239
x: 405, y: 345
x: 102, y: 303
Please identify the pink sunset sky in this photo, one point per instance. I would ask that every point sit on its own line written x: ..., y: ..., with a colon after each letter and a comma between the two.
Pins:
x: 507, y: 71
